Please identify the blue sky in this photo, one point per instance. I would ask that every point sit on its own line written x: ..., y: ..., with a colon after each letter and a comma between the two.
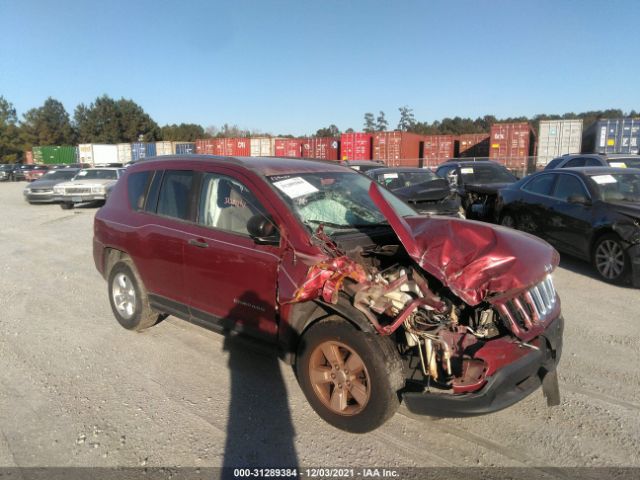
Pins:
x: 296, y: 66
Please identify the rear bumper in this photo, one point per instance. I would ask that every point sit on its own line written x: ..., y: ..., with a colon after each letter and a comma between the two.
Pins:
x: 506, y: 387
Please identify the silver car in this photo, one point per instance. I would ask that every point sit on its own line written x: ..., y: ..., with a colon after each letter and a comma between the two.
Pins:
x: 89, y: 185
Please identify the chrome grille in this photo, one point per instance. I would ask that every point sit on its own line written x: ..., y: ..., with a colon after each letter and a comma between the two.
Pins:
x: 41, y: 190
x: 532, y: 307
x: 77, y: 190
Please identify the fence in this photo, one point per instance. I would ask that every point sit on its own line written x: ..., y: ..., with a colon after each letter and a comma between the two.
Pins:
x: 519, y: 166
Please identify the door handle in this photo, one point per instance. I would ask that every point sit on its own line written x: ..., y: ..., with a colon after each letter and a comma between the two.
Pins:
x: 198, y: 243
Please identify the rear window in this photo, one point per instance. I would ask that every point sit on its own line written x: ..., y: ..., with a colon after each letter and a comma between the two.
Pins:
x: 137, y: 186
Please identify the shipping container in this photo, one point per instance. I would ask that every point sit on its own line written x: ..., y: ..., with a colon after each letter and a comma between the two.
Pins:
x: 557, y: 137
x: 512, y: 144
x: 437, y: 149
x: 287, y: 147
x: 234, y: 147
x: 28, y: 157
x: 97, y: 154
x: 321, y: 148
x: 262, y: 147
x: 206, y: 146
x: 355, y: 146
x: 164, y: 148
x: 183, y: 148
x: 618, y: 135
x: 397, y: 148
x: 124, y: 153
x: 472, y: 145
x: 52, y: 155
x: 140, y: 150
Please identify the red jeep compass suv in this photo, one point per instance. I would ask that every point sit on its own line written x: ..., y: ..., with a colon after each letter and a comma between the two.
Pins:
x: 372, y: 303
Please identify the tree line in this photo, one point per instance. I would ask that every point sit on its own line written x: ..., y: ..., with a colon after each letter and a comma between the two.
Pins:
x: 107, y: 120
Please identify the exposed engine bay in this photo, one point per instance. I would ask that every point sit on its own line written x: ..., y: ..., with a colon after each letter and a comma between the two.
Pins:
x: 442, y: 340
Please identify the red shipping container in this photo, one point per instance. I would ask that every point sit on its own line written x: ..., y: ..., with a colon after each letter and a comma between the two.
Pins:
x: 397, y: 148
x: 511, y: 144
x: 355, y: 146
x: 438, y: 149
x: 322, y: 148
x: 235, y: 147
x: 206, y: 146
x: 288, y: 147
x: 473, y: 145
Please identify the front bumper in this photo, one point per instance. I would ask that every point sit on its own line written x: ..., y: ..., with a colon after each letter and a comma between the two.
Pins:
x: 34, y: 197
x: 634, y: 255
x: 82, y: 198
x: 505, y: 387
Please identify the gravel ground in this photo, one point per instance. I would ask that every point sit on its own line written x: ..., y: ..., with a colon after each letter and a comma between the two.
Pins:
x: 78, y: 390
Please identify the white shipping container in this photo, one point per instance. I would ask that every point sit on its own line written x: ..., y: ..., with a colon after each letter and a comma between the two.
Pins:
x: 103, y: 154
x: 124, y: 153
x: 557, y: 137
x: 164, y: 148
x: 262, y: 147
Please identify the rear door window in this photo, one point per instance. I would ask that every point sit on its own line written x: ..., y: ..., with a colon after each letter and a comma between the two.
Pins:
x: 175, y: 194
x: 575, y: 162
x: 541, y: 185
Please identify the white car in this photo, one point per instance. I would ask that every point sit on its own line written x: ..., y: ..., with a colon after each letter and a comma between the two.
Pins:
x: 89, y: 185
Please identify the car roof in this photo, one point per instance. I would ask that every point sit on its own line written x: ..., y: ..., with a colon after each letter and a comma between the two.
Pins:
x: 464, y: 163
x: 597, y: 170
x: 400, y: 170
x: 264, y: 166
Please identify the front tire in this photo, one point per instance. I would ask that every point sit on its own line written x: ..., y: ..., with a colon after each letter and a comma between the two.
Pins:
x: 128, y: 298
x: 349, y: 377
x: 610, y: 259
x: 66, y: 205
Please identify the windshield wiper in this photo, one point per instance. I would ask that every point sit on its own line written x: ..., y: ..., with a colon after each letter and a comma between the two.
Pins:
x: 330, y: 224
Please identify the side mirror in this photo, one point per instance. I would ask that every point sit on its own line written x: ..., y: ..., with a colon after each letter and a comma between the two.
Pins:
x: 578, y: 199
x: 262, y: 230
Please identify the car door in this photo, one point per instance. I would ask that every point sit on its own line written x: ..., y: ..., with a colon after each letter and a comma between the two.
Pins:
x: 569, y: 224
x: 532, y: 209
x: 163, y: 236
x: 231, y: 280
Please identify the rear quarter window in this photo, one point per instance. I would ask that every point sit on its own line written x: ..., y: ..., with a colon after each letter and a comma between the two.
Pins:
x: 137, y: 187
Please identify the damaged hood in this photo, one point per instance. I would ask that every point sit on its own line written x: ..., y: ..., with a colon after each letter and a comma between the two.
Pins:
x: 473, y: 259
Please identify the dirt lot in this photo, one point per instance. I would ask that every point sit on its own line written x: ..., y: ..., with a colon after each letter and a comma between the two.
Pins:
x: 78, y: 390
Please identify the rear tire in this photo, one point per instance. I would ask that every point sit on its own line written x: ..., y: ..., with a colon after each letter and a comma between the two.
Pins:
x: 128, y: 297
x: 349, y: 377
x: 610, y: 260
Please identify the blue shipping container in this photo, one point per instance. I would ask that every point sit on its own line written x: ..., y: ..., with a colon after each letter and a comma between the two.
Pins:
x: 142, y: 150
x: 185, y: 148
x: 618, y: 135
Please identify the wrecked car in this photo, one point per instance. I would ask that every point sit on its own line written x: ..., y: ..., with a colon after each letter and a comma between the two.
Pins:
x: 477, y: 184
x: 592, y: 213
x: 420, y: 188
x: 371, y: 303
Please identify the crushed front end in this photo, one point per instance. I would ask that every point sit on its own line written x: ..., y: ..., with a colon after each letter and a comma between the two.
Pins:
x: 471, y: 308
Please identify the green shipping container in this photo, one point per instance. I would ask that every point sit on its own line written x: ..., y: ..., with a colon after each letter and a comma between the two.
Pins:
x: 54, y: 155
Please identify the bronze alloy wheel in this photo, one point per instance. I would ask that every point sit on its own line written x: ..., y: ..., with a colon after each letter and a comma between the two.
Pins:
x: 339, y: 378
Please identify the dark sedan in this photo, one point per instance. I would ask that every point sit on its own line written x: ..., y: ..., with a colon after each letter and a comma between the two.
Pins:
x: 41, y: 191
x: 477, y: 185
x: 571, y: 160
x: 592, y: 213
x: 420, y: 188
